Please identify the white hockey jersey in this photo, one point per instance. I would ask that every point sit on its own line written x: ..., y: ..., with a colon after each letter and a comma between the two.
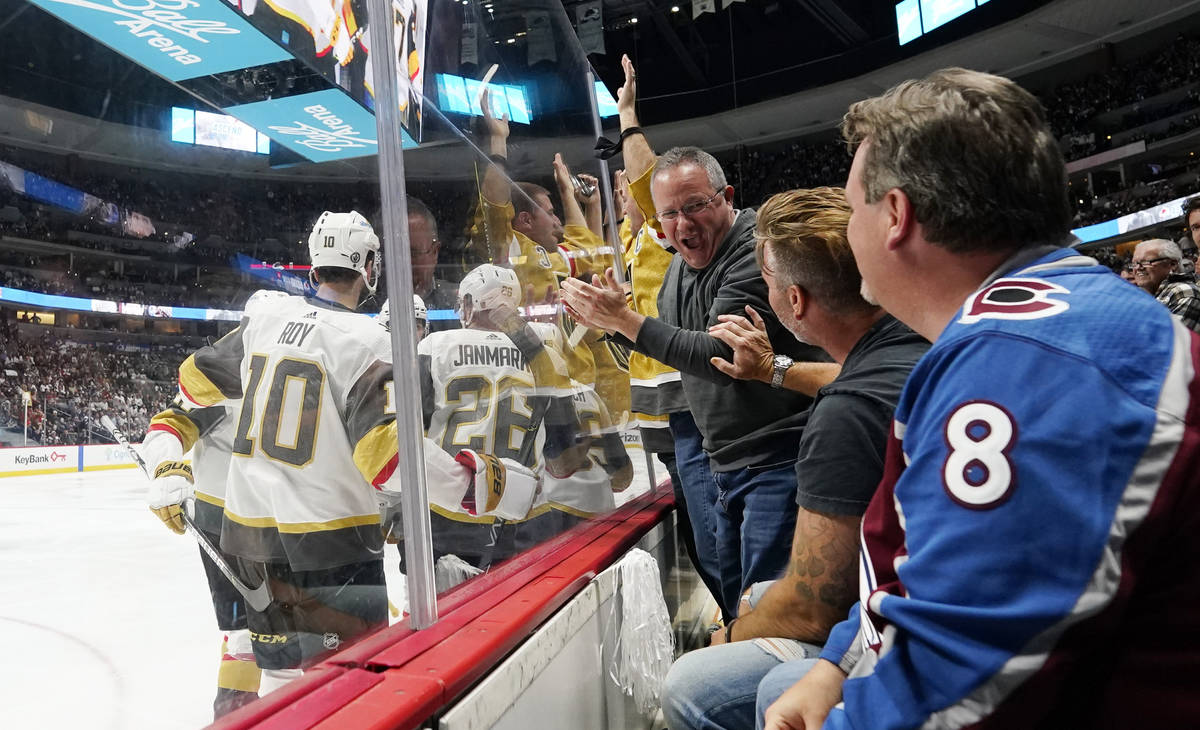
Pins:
x: 589, y: 491
x: 478, y: 394
x: 312, y: 435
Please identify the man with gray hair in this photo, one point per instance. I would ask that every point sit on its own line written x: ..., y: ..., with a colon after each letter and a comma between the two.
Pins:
x: 1156, y: 269
x: 1021, y: 560
x: 750, y: 430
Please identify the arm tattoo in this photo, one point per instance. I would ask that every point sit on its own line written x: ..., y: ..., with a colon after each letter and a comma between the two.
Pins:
x: 823, y: 562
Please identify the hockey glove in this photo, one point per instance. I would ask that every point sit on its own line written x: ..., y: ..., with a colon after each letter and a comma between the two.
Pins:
x: 171, y: 478
x: 171, y: 486
x: 501, y: 487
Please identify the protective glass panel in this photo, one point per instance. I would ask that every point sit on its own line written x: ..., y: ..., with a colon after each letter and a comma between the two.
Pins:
x: 529, y: 429
x: 171, y: 173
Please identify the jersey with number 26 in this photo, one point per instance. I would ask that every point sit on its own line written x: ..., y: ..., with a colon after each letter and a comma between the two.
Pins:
x: 1029, y: 557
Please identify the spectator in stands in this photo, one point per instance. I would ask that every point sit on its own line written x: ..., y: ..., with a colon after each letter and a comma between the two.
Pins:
x: 425, y: 244
x: 815, y: 291
x: 657, y: 389
x: 1191, y: 218
x: 1155, y: 265
x: 750, y: 431
x: 1018, y: 561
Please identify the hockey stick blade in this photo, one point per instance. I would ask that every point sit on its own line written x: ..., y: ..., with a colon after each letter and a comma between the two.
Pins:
x: 258, y: 598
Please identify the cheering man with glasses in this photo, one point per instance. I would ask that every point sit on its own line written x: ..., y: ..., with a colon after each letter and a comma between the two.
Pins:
x: 750, y: 430
x: 1154, y: 269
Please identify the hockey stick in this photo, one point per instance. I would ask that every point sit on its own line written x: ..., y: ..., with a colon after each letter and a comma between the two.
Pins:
x: 258, y: 598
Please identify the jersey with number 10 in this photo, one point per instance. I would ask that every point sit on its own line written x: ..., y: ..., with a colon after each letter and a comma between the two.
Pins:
x: 1029, y: 559
x: 313, y: 432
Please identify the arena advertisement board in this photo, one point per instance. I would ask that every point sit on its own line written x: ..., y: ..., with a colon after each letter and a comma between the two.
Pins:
x: 27, y: 461
x: 176, y: 39
x: 97, y: 457
x: 33, y: 460
x: 321, y: 126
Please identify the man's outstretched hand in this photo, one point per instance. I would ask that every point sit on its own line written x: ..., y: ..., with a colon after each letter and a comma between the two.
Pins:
x: 753, y: 356
x: 601, y: 305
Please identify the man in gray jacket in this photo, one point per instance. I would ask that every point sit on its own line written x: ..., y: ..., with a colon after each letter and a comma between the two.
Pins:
x: 751, y: 430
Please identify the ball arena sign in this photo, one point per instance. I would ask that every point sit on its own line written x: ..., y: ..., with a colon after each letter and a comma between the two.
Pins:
x: 177, y: 39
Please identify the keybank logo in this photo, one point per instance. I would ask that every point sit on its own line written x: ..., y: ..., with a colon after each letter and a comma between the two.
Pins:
x: 178, y: 39
x: 54, y: 457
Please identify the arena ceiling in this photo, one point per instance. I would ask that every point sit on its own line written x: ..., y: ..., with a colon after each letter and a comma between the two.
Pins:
x: 798, y: 64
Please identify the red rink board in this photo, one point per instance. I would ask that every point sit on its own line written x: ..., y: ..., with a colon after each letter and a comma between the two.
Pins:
x: 398, y: 677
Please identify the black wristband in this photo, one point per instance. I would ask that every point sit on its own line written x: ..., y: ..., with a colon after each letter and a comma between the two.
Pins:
x: 606, y: 148
x: 500, y: 160
x: 729, y: 631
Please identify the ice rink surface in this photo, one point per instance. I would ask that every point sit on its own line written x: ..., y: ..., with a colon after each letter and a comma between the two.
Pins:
x: 105, y: 613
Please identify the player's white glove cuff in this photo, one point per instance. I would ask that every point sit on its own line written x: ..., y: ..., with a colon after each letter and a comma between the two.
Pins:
x: 172, y: 484
x: 501, y: 487
x: 160, y: 446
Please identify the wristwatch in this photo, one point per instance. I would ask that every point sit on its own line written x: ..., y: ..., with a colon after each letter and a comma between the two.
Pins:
x: 782, y: 363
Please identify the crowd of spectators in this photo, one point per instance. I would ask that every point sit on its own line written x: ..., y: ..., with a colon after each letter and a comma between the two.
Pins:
x: 73, y: 385
x: 207, y: 220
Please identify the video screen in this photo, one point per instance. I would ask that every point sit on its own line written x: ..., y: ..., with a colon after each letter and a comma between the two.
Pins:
x: 192, y: 126
x: 462, y: 96
x: 908, y: 21
x: 935, y: 13
x: 332, y: 37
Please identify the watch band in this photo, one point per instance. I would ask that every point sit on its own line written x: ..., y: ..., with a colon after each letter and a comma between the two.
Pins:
x: 781, y: 364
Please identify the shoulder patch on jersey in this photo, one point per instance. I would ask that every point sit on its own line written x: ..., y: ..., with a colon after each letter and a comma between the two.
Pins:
x: 1014, y: 299
x: 542, y: 256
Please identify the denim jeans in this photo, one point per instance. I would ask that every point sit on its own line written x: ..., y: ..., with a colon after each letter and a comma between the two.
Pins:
x: 700, y: 494
x: 716, y: 687
x: 755, y: 520
x: 777, y: 681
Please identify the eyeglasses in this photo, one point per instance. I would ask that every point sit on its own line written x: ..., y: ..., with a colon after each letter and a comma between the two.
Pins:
x: 1137, y: 265
x: 689, y: 210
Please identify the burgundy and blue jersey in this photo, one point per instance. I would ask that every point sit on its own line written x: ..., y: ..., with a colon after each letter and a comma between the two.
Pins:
x: 1030, y: 556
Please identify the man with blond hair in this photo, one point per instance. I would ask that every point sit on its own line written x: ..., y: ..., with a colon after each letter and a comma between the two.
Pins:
x: 1156, y: 269
x: 1020, y: 560
x: 813, y: 287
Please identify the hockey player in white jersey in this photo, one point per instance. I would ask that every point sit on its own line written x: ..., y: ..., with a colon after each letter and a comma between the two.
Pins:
x: 495, y: 387
x: 589, y: 490
x: 312, y: 451
x: 208, y: 434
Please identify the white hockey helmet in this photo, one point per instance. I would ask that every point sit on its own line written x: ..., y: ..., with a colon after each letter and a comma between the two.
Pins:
x: 343, y: 240
x: 489, y: 286
x: 419, y: 313
x: 385, y: 316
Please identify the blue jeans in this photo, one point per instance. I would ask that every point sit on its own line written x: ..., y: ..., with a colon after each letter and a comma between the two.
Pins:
x: 755, y: 521
x: 776, y: 682
x: 716, y: 687
x: 700, y: 496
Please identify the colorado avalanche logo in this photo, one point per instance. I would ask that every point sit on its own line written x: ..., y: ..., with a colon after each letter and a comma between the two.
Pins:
x: 1014, y: 299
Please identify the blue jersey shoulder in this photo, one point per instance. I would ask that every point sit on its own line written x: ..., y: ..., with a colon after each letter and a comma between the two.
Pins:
x: 1078, y: 310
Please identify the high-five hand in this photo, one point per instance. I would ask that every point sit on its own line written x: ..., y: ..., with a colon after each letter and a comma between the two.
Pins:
x: 601, y: 305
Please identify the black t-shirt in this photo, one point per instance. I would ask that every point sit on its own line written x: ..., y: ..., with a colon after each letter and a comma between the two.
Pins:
x: 841, y: 452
